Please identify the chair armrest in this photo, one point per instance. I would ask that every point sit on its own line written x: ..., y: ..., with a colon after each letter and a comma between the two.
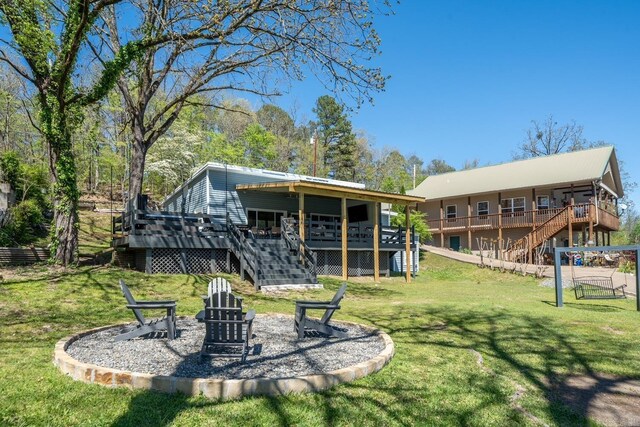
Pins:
x: 160, y: 305
x: 312, y: 302
x: 200, y: 315
x: 156, y: 302
x: 251, y: 314
x: 329, y: 306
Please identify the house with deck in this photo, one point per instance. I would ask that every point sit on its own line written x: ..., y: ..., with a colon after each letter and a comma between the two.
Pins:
x: 564, y: 199
x: 276, y: 228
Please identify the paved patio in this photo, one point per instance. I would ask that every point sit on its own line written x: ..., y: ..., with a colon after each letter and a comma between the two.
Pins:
x: 547, y: 271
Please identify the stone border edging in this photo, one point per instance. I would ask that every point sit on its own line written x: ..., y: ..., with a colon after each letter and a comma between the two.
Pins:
x: 216, y: 388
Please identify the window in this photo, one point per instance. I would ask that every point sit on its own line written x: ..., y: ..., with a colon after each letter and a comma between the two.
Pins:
x: 514, y: 204
x: 451, y: 211
x: 264, y: 219
x: 542, y: 202
x: 483, y: 209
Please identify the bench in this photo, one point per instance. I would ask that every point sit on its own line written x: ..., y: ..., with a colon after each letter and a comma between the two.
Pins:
x: 597, y: 288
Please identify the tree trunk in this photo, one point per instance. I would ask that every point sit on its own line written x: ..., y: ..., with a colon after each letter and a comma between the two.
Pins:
x: 64, y: 236
x: 138, y: 157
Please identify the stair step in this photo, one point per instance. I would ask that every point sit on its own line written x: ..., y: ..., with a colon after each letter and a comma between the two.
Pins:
x: 284, y: 281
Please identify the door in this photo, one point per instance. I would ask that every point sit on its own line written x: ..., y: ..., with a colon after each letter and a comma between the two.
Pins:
x: 454, y: 243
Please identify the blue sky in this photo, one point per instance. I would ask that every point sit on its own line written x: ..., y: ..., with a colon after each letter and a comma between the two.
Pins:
x: 467, y: 77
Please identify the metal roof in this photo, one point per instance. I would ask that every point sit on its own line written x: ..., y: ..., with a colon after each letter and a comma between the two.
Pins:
x: 559, y: 169
x: 331, y: 190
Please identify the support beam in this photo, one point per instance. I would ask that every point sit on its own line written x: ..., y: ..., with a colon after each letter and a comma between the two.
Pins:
x: 469, y: 222
x: 407, y: 215
x: 571, y: 218
x: 500, y: 222
x: 441, y: 224
x: 301, y: 218
x: 345, y: 231
x: 376, y: 242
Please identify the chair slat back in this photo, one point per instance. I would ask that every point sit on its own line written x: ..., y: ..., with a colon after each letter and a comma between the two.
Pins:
x: 216, y: 286
x: 227, y: 318
x: 131, y: 300
x: 335, y: 301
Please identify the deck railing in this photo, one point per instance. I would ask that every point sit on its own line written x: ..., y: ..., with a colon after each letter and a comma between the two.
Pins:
x: 582, y: 213
x: 168, y: 224
x: 293, y: 241
x: 323, y: 232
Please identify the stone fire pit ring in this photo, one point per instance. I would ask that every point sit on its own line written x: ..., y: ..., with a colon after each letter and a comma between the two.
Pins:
x: 220, y: 387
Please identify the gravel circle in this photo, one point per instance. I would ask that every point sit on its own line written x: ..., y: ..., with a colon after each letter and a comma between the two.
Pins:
x: 274, y: 352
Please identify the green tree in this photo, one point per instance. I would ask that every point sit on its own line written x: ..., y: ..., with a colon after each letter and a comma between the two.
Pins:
x: 259, y: 146
x: 47, y: 41
x: 288, y: 142
x: 438, y: 166
x: 335, y: 134
x: 418, y: 221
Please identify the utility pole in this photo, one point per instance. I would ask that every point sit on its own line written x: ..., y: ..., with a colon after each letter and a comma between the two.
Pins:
x: 414, y: 176
x: 314, y: 141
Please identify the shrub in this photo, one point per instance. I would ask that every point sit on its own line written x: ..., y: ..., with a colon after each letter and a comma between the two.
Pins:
x: 26, y: 222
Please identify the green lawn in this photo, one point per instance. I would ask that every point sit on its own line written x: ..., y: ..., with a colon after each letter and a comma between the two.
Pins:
x: 441, y: 323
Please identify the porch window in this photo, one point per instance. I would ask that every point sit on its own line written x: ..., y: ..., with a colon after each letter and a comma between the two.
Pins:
x: 264, y: 219
x: 483, y: 209
x: 542, y: 202
x: 513, y: 204
x: 452, y: 211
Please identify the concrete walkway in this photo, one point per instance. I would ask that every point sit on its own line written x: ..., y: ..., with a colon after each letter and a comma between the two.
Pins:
x: 545, y: 271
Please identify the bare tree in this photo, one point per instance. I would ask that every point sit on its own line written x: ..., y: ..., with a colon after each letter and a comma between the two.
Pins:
x: 256, y: 47
x: 194, y: 46
x: 547, y: 137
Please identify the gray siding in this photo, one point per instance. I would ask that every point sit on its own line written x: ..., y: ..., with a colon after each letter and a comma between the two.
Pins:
x: 192, y: 198
x: 223, y: 198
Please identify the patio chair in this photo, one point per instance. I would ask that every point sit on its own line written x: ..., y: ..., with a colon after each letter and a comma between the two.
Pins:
x: 227, y: 328
x: 304, y: 323
x: 216, y: 286
x: 145, y: 327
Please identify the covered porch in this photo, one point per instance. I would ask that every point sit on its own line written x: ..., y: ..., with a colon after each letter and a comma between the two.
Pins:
x: 356, y: 226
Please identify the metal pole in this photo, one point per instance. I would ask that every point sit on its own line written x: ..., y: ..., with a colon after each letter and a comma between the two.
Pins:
x: 637, y: 281
x: 314, y: 138
x: 558, y: 276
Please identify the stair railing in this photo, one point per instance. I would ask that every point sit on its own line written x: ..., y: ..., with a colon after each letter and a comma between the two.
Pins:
x: 247, y: 255
x: 547, y: 229
x: 293, y: 241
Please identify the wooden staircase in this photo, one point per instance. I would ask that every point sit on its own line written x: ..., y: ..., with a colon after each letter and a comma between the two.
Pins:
x: 520, y: 250
x: 273, y: 262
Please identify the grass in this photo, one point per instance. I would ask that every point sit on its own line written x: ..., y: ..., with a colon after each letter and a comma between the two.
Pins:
x: 441, y: 323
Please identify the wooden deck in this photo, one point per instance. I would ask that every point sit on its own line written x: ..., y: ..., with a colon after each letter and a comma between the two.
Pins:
x: 163, y: 229
x: 582, y: 214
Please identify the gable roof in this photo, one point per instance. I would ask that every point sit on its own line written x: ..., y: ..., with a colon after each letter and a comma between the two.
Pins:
x: 554, y: 170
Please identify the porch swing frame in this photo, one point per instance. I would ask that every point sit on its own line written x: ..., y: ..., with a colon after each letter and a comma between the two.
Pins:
x: 558, y: 271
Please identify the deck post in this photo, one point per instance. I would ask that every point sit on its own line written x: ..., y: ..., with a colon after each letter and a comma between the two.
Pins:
x: 376, y: 242
x: 407, y: 215
x: 637, y: 282
x: 469, y: 221
x: 301, y: 220
x: 345, y: 231
x: 500, y: 220
x: 441, y: 224
x: 571, y: 218
x: 558, y: 276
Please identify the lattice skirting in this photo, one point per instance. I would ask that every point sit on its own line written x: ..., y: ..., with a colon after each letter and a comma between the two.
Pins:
x: 359, y: 263
x: 190, y: 261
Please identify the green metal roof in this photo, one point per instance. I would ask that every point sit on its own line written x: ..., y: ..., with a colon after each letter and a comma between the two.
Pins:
x: 577, y: 167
